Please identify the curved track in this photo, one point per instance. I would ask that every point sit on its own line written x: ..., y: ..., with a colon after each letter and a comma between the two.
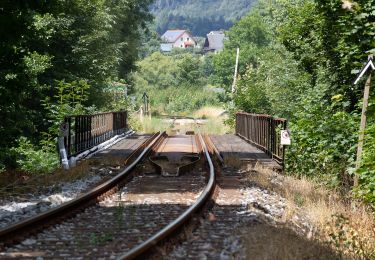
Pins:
x: 16, y: 232
x: 129, y: 220
x: 183, y: 218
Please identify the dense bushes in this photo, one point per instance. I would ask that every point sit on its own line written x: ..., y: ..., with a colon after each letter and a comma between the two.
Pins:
x: 181, y: 100
x: 176, y: 83
x: 367, y: 169
x: 324, y: 138
x: 44, y: 43
x: 36, y: 159
x: 304, y: 72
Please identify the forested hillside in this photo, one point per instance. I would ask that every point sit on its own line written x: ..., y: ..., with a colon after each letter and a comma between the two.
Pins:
x: 200, y: 17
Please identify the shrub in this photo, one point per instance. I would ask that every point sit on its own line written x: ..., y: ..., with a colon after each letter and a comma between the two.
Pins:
x: 177, y: 100
x: 324, y: 138
x: 367, y: 171
x: 37, y: 160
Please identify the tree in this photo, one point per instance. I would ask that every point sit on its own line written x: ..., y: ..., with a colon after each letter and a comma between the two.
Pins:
x: 189, y: 73
x: 251, y: 34
x: 48, y: 41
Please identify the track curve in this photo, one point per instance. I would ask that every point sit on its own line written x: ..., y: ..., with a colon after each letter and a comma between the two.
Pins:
x: 16, y: 231
x: 183, y: 218
x: 109, y: 225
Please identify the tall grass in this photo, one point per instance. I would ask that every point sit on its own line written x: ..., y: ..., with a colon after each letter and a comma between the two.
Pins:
x: 347, y: 226
x: 213, y: 126
x: 208, y: 120
x: 152, y: 125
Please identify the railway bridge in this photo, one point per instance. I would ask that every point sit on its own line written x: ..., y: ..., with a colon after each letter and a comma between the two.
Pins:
x: 168, y: 195
x: 257, y: 137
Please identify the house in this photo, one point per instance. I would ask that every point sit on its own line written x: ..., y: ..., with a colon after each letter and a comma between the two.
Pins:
x: 176, y: 39
x: 214, y: 41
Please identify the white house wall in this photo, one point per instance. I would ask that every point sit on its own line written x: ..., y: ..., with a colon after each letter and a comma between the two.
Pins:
x: 166, y: 47
x: 182, y: 39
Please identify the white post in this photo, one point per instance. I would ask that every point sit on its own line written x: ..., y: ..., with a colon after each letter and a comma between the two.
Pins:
x: 141, y: 113
x: 64, y: 158
x: 362, y: 127
x: 236, y: 71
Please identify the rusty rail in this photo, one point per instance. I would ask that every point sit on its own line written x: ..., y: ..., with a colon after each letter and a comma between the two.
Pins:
x: 168, y: 230
x: 16, y: 232
x: 263, y: 131
x: 87, y: 131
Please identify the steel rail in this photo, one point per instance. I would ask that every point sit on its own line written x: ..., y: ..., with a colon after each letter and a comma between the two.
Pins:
x: 213, y: 149
x: 182, y: 219
x: 23, y: 227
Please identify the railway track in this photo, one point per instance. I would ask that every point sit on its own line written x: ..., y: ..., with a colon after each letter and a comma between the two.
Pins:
x: 128, y: 215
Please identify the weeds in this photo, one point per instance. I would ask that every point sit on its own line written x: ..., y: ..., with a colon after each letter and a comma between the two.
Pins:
x: 349, y: 227
x: 209, y: 112
x: 214, y: 126
x: 233, y: 162
x: 27, y: 183
x: 119, y: 214
x: 210, y: 122
x: 346, y: 239
x: 95, y: 239
x: 153, y: 125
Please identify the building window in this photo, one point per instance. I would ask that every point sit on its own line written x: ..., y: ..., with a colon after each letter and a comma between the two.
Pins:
x: 188, y: 39
x: 182, y: 39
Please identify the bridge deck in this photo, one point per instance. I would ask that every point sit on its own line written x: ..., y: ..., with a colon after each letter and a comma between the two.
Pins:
x: 125, y: 147
x: 177, y: 146
x: 230, y: 145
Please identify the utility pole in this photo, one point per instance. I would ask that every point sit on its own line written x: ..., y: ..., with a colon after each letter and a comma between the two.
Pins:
x: 369, y: 65
x: 236, y: 71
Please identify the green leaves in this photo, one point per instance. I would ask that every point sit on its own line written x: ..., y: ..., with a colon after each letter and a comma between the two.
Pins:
x: 301, y: 70
x: 189, y: 72
x: 367, y: 170
x: 36, y: 63
x: 176, y: 83
x: 34, y: 159
x: 51, y: 52
x: 251, y: 34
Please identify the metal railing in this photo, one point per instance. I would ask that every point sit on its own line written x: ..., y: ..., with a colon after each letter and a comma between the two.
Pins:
x: 263, y: 131
x: 87, y: 131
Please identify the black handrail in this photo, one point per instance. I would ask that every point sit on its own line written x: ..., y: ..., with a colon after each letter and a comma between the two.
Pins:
x: 263, y: 131
x: 87, y: 131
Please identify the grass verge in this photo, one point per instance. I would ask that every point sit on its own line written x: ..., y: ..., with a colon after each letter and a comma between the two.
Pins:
x: 347, y: 226
x: 209, y: 120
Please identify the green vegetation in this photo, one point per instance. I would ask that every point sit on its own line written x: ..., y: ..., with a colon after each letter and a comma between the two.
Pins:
x: 200, y: 17
x: 38, y: 160
x: 177, y: 83
x: 292, y: 65
x: 153, y: 125
x: 367, y: 171
x: 298, y: 60
x: 207, y: 125
x: 57, y: 58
